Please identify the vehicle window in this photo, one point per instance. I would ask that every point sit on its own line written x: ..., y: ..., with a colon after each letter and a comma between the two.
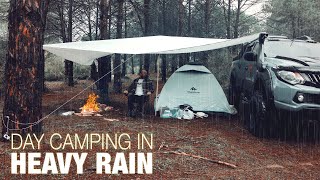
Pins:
x: 241, y: 52
x: 292, y: 49
x: 243, y: 48
x: 256, y: 49
x: 249, y: 48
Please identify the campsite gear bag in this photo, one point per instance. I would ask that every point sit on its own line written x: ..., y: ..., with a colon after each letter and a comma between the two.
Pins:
x: 201, y: 115
x: 186, y: 106
x: 165, y: 113
x: 188, y: 114
x: 176, y: 113
x: 187, y: 111
x: 170, y: 113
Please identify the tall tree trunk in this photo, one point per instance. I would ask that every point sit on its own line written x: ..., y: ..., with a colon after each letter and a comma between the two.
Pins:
x: 132, y: 66
x: 293, y: 24
x: 155, y: 58
x: 173, y: 64
x: 103, y: 62
x: 180, y: 16
x: 146, y: 12
x: 164, y: 31
x: 69, y: 64
x: 69, y: 72
x: 236, y: 24
x: 207, y: 12
x: 117, y: 85
x: 89, y: 24
x: 64, y: 32
x: 188, y: 56
x: 25, y: 58
x: 62, y: 22
x: 146, y: 64
x: 229, y: 20
x: 189, y: 17
x: 93, y: 67
x: 299, y: 26
x: 97, y: 20
x: 164, y: 68
x: 182, y: 57
x: 109, y: 76
x: 93, y: 72
x: 124, y: 64
x: 141, y: 58
x: 45, y: 5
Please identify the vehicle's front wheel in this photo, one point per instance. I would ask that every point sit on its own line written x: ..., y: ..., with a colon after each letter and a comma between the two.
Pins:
x: 258, y: 120
x: 244, y: 110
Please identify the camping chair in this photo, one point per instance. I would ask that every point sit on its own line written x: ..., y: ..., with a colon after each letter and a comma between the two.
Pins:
x: 145, y: 106
x: 144, y: 109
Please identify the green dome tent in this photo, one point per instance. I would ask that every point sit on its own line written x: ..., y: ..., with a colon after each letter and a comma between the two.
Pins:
x: 194, y: 85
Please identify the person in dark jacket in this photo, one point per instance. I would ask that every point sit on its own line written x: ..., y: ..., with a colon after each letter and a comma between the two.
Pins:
x: 139, y: 92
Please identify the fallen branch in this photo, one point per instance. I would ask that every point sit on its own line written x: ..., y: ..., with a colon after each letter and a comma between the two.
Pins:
x: 203, y: 158
x: 111, y: 120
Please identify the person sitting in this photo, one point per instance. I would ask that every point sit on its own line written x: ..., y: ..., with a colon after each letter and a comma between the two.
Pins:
x: 139, y: 92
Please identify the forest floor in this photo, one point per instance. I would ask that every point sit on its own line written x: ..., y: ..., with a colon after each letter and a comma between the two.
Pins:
x: 216, y: 137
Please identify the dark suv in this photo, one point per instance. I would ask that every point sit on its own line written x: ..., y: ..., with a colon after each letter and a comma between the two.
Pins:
x: 275, y: 85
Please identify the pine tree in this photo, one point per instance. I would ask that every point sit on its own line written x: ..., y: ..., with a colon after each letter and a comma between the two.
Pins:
x: 24, y: 66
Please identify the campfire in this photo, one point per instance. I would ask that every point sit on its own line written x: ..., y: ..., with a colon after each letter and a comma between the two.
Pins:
x: 92, y: 107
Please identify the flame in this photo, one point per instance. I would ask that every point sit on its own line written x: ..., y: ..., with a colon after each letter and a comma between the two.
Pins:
x: 91, y: 104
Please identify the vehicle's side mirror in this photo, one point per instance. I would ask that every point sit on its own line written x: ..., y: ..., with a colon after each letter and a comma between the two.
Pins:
x: 250, y: 56
x: 262, y: 37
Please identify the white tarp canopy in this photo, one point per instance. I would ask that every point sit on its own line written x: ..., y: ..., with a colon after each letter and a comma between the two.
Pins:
x: 85, y: 52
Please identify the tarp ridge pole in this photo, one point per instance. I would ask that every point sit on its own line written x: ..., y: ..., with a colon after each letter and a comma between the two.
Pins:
x: 157, y: 88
